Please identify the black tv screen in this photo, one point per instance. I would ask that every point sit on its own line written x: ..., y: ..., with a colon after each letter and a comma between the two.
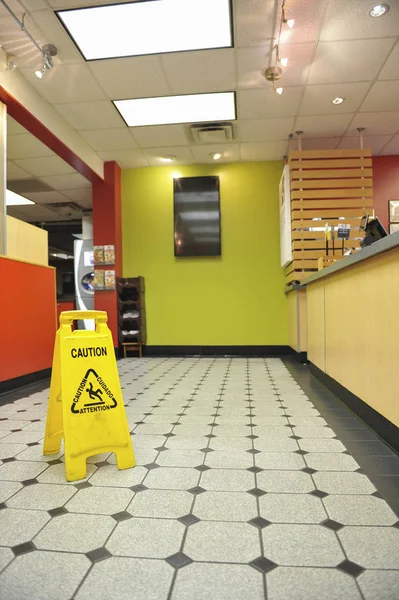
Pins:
x: 197, y: 216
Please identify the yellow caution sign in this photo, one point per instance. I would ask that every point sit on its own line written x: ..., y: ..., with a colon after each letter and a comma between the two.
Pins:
x: 86, y: 405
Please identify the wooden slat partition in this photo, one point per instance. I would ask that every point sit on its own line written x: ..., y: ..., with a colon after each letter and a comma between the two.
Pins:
x: 327, y: 186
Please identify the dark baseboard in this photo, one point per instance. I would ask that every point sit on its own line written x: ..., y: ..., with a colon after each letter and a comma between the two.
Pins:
x: 386, y: 430
x: 217, y: 351
x: 23, y: 380
x: 301, y: 357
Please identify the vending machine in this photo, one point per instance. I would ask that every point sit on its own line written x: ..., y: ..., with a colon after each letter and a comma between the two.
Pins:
x: 84, y: 279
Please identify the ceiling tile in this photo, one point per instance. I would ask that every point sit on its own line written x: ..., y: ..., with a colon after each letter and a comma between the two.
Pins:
x: 13, y: 211
x: 127, y: 159
x: 268, y: 151
x: 323, y: 126
x: 26, y: 146
x: 375, y: 142
x: 47, y: 21
x: 82, y: 196
x: 36, y: 212
x: 265, y: 103
x: 46, y: 197
x: 318, y: 143
x: 182, y: 155
x: 202, y: 153
x: 350, y: 20
x: 384, y: 95
x: 14, y: 172
x: 160, y: 135
x: 391, y: 67
x: 264, y: 130
x: 392, y: 147
x: 348, y: 61
x: 91, y: 115
x: 317, y: 98
x: 40, y: 167
x: 66, y: 182
x: 375, y: 123
x: 254, y: 22
x: 200, y: 72
x: 14, y: 128
x: 66, y: 83
x: 109, y: 139
x: 135, y: 77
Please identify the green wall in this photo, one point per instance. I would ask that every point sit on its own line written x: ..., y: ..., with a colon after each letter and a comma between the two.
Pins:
x: 235, y: 299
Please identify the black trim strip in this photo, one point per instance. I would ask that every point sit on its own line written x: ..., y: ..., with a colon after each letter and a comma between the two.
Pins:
x: 217, y: 351
x: 22, y: 381
x: 386, y: 430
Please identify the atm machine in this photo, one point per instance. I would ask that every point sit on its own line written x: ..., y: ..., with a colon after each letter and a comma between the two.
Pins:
x: 84, y: 279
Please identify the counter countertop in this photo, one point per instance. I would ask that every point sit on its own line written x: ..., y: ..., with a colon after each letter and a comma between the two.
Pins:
x: 388, y: 243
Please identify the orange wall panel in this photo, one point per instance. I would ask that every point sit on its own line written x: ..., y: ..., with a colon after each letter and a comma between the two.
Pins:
x: 27, y: 318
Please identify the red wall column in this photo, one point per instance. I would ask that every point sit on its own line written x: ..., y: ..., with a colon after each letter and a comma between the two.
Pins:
x: 386, y: 185
x: 107, y: 229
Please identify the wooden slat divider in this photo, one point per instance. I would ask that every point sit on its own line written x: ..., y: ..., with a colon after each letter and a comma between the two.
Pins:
x: 323, y: 154
x: 343, y: 163
x: 323, y: 173
x: 359, y: 192
x: 328, y: 184
x: 334, y: 204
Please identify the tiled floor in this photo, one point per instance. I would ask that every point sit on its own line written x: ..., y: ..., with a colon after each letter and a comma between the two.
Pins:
x: 242, y: 491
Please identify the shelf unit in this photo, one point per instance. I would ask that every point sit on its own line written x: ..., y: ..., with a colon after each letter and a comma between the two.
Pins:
x: 132, y: 326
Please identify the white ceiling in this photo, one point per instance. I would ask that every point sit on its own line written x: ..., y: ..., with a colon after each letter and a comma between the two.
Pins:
x: 335, y: 49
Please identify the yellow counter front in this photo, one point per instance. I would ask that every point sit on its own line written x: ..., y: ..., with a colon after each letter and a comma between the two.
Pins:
x: 353, y: 327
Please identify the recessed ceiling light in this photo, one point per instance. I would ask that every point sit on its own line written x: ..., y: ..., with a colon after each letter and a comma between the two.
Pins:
x: 338, y: 100
x: 149, y: 27
x: 379, y: 10
x: 216, y: 155
x: 13, y: 199
x: 168, y: 159
x: 167, y: 110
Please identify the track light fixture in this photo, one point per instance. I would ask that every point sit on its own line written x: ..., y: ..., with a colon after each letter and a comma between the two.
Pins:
x: 49, y: 50
x: 274, y: 72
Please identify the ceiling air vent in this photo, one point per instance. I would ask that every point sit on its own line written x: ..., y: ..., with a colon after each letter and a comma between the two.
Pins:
x: 212, y: 133
x: 64, y: 208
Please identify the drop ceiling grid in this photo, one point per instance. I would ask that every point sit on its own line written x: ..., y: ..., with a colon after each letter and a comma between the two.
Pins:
x: 87, y: 88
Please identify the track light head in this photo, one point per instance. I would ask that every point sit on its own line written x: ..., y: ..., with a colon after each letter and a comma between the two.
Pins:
x: 49, y: 50
x: 272, y: 73
x: 11, y: 62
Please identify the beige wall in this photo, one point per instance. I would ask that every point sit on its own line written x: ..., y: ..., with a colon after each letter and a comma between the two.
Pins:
x: 297, y: 320
x: 353, y: 330
x: 26, y: 242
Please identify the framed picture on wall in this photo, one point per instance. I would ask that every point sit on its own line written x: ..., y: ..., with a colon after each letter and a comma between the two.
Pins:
x: 393, y: 227
x: 393, y: 211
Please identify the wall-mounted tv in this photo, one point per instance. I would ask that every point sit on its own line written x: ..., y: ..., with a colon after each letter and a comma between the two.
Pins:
x: 197, y: 216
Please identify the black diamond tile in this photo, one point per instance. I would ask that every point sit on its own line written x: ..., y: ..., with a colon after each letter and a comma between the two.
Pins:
x: 23, y: 548
x: 295, y: 437
x: 253, y: 451
x: 102, y: 463
x: 214, y: 424
x: 210, y: 436
x: 377, y: 494
x: 15, y: 430
x: 254, y: 469
x: 121, y: 516
x: 57, y: 512
x: 33, y: 444
x: 350, y: 567
x: 189, y: 519
x: 263, y: 564
x: 9, y: 459
x: 179, y: 560
x: 83, y: 485
x: 139, y: 488
x: 56, y: 461
x: 318, y: 494
x: 169, y: 434
x: 161, y: 449
x: 394, y: 525
x: 259, y: 522
x: 98, y: 554
x: 256, y: 492
x: 206, y: 450
x: 331, y: 524
x: 303, y: 452
x: 196, y: 490
x: 309, y: 470
x: 3, y: 505
x: 151, y: 466
x: 27, y: 482
x: 202, y: 468
x: 176, y: 423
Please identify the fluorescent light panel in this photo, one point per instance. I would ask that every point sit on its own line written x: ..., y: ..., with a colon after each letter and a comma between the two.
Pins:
x: 166, y: 110
x: 13, y: 199
x: 149, y: 27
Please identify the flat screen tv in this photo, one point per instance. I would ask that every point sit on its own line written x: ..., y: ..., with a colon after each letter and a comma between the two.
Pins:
x: 197, y: 216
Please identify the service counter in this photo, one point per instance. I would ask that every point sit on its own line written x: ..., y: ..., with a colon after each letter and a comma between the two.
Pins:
x: 352, y: 315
